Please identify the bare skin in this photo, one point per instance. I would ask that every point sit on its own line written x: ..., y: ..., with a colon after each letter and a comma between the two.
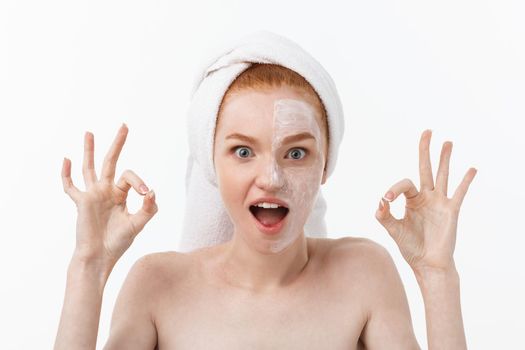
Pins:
x: 327, y: 306
x: 335, y: 294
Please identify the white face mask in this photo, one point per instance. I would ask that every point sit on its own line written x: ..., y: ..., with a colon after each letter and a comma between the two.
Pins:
x: 299, y: 185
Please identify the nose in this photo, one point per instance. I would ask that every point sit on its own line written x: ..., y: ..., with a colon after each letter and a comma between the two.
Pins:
x: 270, y: 178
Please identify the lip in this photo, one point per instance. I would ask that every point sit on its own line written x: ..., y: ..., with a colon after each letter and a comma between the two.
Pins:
x: 270, y: 230
x: 270, y: 200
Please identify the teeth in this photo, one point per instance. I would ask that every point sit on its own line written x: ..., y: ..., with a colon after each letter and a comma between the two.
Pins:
x: 267, y: 205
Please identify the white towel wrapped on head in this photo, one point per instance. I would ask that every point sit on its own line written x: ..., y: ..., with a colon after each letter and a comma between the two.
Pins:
x: 206, y: 221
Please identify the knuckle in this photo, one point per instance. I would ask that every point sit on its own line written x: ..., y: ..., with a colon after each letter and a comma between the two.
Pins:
x: 104, y: 181
x: 152, y: 211
x: 129, y: 174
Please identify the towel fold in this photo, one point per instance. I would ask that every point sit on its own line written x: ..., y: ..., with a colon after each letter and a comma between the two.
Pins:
x: 206, y: 221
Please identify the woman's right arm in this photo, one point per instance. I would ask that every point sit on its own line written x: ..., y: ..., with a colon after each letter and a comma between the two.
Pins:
x: 104, y: 231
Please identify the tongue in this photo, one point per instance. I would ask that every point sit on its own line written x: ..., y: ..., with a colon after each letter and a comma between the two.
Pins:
x: 270, y: 217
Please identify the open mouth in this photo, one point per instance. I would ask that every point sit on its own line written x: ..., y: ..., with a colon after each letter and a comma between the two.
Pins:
x: 269, y: 216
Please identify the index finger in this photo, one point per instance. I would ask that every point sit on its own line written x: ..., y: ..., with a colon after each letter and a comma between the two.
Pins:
x: 110, y: 161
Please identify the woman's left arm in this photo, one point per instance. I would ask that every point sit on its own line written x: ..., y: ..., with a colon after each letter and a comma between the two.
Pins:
x: 426, y: 237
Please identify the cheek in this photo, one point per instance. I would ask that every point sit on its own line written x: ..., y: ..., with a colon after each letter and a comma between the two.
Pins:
x: 234, y: 180
x: 303, y: 183
x: 225, y: 179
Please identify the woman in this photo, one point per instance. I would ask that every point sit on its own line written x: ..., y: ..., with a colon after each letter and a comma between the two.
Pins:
x: 270, y: 286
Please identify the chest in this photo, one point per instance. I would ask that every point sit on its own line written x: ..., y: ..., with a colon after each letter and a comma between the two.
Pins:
x: 318, y: 316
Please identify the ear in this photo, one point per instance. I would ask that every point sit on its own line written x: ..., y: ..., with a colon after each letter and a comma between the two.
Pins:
x: 324, y: 177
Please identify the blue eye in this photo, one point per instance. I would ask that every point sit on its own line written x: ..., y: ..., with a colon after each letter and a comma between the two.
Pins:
x: 296, y: 153
x: 244, y: 151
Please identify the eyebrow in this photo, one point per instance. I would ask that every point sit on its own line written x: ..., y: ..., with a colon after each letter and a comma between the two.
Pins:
x: 288, y: 139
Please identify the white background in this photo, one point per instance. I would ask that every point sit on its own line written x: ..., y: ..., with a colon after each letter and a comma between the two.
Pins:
x: 457, y: 67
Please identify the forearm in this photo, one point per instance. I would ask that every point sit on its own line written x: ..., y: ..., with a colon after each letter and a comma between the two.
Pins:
x: 441, y: 295
x: 80, y: 316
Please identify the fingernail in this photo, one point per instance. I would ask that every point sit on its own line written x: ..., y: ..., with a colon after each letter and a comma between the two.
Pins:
x: 152, y: 194
x: 381, y: 205
x: 143, y: 188
x: 389, y: 196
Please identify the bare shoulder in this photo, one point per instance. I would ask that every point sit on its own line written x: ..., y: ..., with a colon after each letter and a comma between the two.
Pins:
x: 160, y: 269
x: 158, y: 260
x: 362, y: 264
x: 368, y: 270
x: 133, y: 323
x: 155, y: 276
x: 151, y: 275
x: 368, y: 267
x: 356, y: 243
x: 359, y: 250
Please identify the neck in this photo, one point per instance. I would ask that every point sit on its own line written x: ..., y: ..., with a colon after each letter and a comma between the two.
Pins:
x: 248, y: 268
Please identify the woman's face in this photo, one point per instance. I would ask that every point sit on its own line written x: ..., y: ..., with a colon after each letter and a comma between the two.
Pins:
x: 269, y: 144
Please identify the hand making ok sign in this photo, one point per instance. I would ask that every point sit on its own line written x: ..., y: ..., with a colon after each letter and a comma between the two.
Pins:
x: 105, y: 229
x: 426, y: 235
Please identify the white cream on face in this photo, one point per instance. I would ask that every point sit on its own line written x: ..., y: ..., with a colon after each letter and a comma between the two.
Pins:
x: 299, y: 184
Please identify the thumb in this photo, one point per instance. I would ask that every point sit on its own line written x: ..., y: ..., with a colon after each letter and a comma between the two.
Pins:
x: 385, y: 218
x: 144, y: 214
